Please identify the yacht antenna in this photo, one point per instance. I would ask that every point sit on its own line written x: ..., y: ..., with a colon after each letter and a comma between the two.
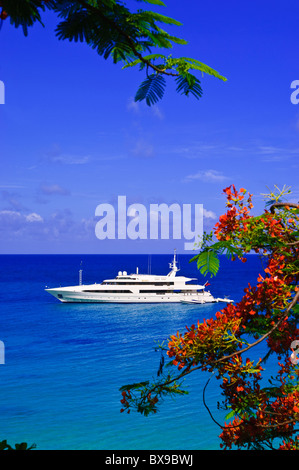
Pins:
x: 149, y: 267
x: 80, y: 275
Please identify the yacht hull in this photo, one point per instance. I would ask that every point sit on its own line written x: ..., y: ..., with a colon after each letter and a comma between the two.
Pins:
x: 72, y: 296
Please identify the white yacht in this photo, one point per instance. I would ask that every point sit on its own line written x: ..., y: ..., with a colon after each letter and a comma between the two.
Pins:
x: 139, y: 288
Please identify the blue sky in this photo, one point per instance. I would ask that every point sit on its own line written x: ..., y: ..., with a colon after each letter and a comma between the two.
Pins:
x: 72, y: 136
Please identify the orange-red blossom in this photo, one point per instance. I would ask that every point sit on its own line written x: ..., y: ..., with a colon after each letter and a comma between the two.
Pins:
x: 216, y: 342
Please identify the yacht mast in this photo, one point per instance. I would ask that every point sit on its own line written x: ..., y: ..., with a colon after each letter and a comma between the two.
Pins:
x: 80, y: 274
x: 173, y: 266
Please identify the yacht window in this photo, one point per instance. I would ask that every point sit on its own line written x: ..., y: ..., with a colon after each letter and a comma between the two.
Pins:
x: 142, y: 283
x: 110, y: 291
x: 159, y: 292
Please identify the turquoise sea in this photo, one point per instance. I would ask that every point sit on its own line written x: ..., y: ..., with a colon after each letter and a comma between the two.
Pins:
x: 64, y: 363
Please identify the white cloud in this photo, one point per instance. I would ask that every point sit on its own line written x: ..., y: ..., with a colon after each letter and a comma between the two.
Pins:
x: 50, y: 189
x: 56, y: 155
x: 8, y: 213
x: 156, y: 111
x: 142, y: 149
x: 138, y: 108
x: 71, y: 159
x: 60, y: 226
x: 211, y: 176
x: 33, y: 217
x: 271, y: 153
x: 209, y: 214
x: 14, y: 222
x: 133, y: 106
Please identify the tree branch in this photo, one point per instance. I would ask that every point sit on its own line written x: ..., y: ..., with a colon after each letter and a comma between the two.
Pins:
x: 236, y: 353
x: 128, y: 38
x: 283, y: 204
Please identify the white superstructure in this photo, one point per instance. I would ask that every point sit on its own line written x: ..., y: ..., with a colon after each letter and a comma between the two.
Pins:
x: 139, y: 288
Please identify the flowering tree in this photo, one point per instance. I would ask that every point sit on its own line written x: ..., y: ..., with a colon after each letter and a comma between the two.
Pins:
x: 261, y: 415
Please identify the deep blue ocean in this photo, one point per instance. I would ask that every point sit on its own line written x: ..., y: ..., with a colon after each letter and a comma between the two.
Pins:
x: 64, y: 363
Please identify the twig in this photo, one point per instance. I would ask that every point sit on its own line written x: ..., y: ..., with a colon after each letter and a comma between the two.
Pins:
x: 130, y: 41
x: 236, y: 353
x: 283, y: 204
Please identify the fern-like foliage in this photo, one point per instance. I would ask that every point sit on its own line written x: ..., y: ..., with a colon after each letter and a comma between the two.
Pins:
x: 24, y: 13
x: 151, y: 89
x: 189, y: 84
x: 22, y: 446
x: 207, y: 262
x: 113, y: 31
x: 208, y: 258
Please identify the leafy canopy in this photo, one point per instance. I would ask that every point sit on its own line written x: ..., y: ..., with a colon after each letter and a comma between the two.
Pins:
x: 109, y: 27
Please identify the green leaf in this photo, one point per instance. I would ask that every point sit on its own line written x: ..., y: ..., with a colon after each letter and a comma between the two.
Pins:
x: 146, y: 57
x: 134, y: 386
x: 295, y: 310
x: 197, y: 65
x: 158, y: 39
x: 23, y: 13
x: 153, y: 2
x: 207, y: 262
x: 151, y: 89
x: 4, y: 445
x: 227, y: 248
x: 22, y: 446
x: 78, y: 27
x: 151, y: 15
x: 188, y: 83
x: 229, y: 415
x: 181, y: 41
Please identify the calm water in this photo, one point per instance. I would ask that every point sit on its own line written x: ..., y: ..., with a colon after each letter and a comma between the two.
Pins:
x: 64, y: 363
